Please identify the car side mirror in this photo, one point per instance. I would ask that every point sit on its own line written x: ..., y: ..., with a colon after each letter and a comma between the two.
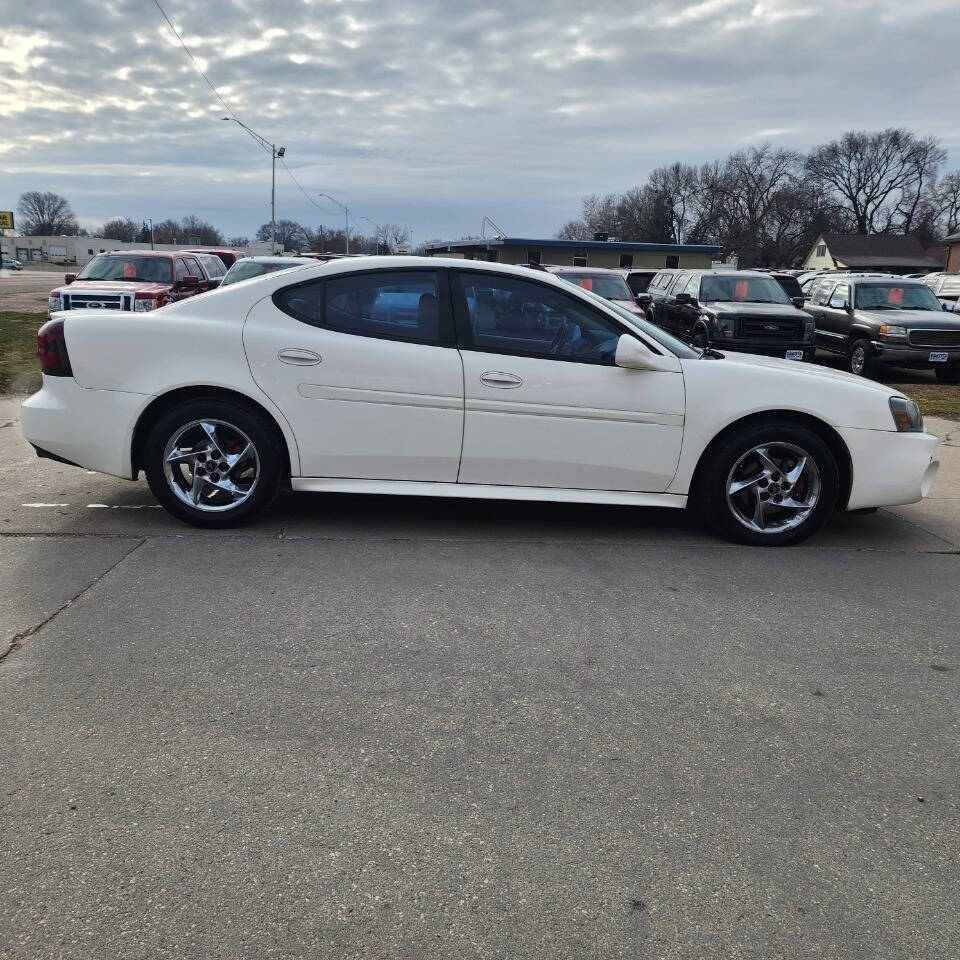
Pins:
x: 69, y: 277
x: 948, y: 307
x: 684, y: 298
x: 798, y: 302
x: 633, y: 355
x: 838, y: 303
x: 643, y: 299
x: 191, y: 281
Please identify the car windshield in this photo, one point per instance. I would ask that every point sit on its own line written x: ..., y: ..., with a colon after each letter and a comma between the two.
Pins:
x: 791, y: 286
x: 893, y: 296
x: 148, y: 269
x: 677, y: 347
x: 639, y: 282
x: 739, y: 289
x: 610, y: 286
x: 245, y: 269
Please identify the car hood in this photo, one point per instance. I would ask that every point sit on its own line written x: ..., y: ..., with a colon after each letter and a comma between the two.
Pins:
x: 741, y: 309
x: 798, y: 369
x: 630, y: 305
x: 927, y: 319
x: 140, y: 286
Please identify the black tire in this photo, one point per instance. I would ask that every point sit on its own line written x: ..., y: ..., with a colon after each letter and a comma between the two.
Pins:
x: 949, y: 374
x: 238, y: 419
x: 715, y: 507
x: 859, y: 358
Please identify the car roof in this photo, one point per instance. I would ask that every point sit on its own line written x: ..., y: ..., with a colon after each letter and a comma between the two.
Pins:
x: 268, y: 259
x: 856, y: 277
x: 563, y: 268
x: 139, y: 253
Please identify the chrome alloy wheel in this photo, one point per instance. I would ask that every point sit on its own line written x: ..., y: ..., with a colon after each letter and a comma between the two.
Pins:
x: 773, y: 487
x: 211, y: 465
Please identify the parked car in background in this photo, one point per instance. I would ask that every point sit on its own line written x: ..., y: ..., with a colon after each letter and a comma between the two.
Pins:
x: 228, y: 257
x: 737, y: 310
x: 257, y: 266
x: 789, y: 282
x: 656, y: 291
x: 214, y: 268
x: 131, y: 280
x: 608, y: 284
x: 639, y: 280
x: 500, y: 382
x: 885, y: 320
x: 945, y: 286
x: 8, y: 263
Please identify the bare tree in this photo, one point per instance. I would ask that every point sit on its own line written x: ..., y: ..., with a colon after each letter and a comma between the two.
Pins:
x: 290, y: 235
x: 195, y: 230
x: 45, y: 214
x: 240, y: 241
x: 878, y: 177
x: 947, y: 200
x: 121, y: 228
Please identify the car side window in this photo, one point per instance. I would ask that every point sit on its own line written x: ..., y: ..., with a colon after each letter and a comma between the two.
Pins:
x: 194, y: 268
x: 391, y: 305
x: 842, y: 292
x: 693, y: 286
x: 679, y: 283
x: 181, y: 269
x: 498, y: 314
x: 821, y: 295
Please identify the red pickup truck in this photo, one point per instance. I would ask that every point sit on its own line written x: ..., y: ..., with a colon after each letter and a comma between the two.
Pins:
x: 131, y: 280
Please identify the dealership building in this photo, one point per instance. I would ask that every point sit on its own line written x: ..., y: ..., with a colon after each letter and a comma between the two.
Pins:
x: 580, y: 253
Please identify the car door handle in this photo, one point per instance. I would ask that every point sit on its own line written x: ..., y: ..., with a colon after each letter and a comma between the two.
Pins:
x: 497, y: 378
x: 298, y: 357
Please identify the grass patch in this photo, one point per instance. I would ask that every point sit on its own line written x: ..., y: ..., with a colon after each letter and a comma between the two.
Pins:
x: 935, y: 399
x: 19, y: 370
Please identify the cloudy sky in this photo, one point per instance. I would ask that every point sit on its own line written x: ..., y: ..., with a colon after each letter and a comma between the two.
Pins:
x: 434, y: 113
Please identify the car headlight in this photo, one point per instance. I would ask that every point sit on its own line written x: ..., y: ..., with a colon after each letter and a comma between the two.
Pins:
x: 809, y: 328
x: 906, y: 415
x: 54, y: 303
x: 891, y: 331
x: 140, y: 306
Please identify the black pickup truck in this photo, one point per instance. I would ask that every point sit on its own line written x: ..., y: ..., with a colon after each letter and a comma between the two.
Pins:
x: 888, y: 320
x: 731, y: 310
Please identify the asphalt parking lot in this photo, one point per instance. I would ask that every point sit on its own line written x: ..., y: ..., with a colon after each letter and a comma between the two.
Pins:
x: 373, y: 727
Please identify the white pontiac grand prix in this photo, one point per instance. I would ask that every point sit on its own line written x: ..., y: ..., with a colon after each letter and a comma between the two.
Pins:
x: 461, y: 379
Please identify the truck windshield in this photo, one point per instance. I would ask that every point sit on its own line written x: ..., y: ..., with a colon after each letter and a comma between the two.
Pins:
x: 146, y: 269
x: 740, y: 289
x: 891, y: 296
x: 610, y: 286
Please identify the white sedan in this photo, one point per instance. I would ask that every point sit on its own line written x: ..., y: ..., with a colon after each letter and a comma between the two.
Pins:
x: 461, y: 379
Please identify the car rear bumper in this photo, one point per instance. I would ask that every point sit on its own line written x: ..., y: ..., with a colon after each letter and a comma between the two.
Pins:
x: 903, y: 355
x: 89, y: 428
x: 890, y: 468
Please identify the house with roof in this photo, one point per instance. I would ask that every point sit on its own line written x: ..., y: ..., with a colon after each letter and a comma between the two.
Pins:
x: 876, y: 252
x: 953, y: 253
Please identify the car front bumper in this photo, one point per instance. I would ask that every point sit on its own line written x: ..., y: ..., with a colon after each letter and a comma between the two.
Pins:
x: 904, y: 355
x: 89, y: 428
x: 890, y: 468
x: 765, y: 348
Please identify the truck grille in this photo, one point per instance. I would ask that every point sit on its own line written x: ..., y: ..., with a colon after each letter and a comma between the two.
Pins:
x: 759, y: 328
x: 934, y: 338
x: 91, y: 300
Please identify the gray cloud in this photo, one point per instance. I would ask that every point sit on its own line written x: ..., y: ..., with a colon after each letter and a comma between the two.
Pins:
x: 433, y: 114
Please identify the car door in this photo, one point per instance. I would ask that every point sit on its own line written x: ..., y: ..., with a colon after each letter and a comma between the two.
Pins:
x: 365, y: 369
x: 820, y: 292
x: 671, y: 317
x: 688, y: 313
x: 545, y: 405
x: 835, y: 321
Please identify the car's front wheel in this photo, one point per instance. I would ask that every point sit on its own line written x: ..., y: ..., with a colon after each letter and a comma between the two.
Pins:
x: 860, y: 359
x: 949, y: 374
x: 213, y: 463
x: 769, y: 483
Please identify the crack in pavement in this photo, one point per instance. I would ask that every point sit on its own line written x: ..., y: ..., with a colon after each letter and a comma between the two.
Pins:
x: 19, y: 639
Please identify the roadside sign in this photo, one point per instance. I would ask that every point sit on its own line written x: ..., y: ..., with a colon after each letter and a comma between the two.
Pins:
x: 6, y: 219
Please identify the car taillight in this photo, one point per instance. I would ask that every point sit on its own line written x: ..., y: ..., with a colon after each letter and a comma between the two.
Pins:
x: 52, y: 350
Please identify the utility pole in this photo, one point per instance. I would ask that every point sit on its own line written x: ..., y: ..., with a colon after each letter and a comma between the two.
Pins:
x: 275, y: 153
x: 151, y: 231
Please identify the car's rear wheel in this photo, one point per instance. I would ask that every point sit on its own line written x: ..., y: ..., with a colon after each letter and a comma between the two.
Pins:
x: 859, y: 358
x: 213, y: 463
x: 949, y: 374
x: 769, y: 483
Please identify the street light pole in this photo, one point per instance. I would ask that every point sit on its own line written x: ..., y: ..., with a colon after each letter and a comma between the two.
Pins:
x: 151, y: 231
x: 346, y: 219
x: 275, y: 153
x: 377, y: 228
